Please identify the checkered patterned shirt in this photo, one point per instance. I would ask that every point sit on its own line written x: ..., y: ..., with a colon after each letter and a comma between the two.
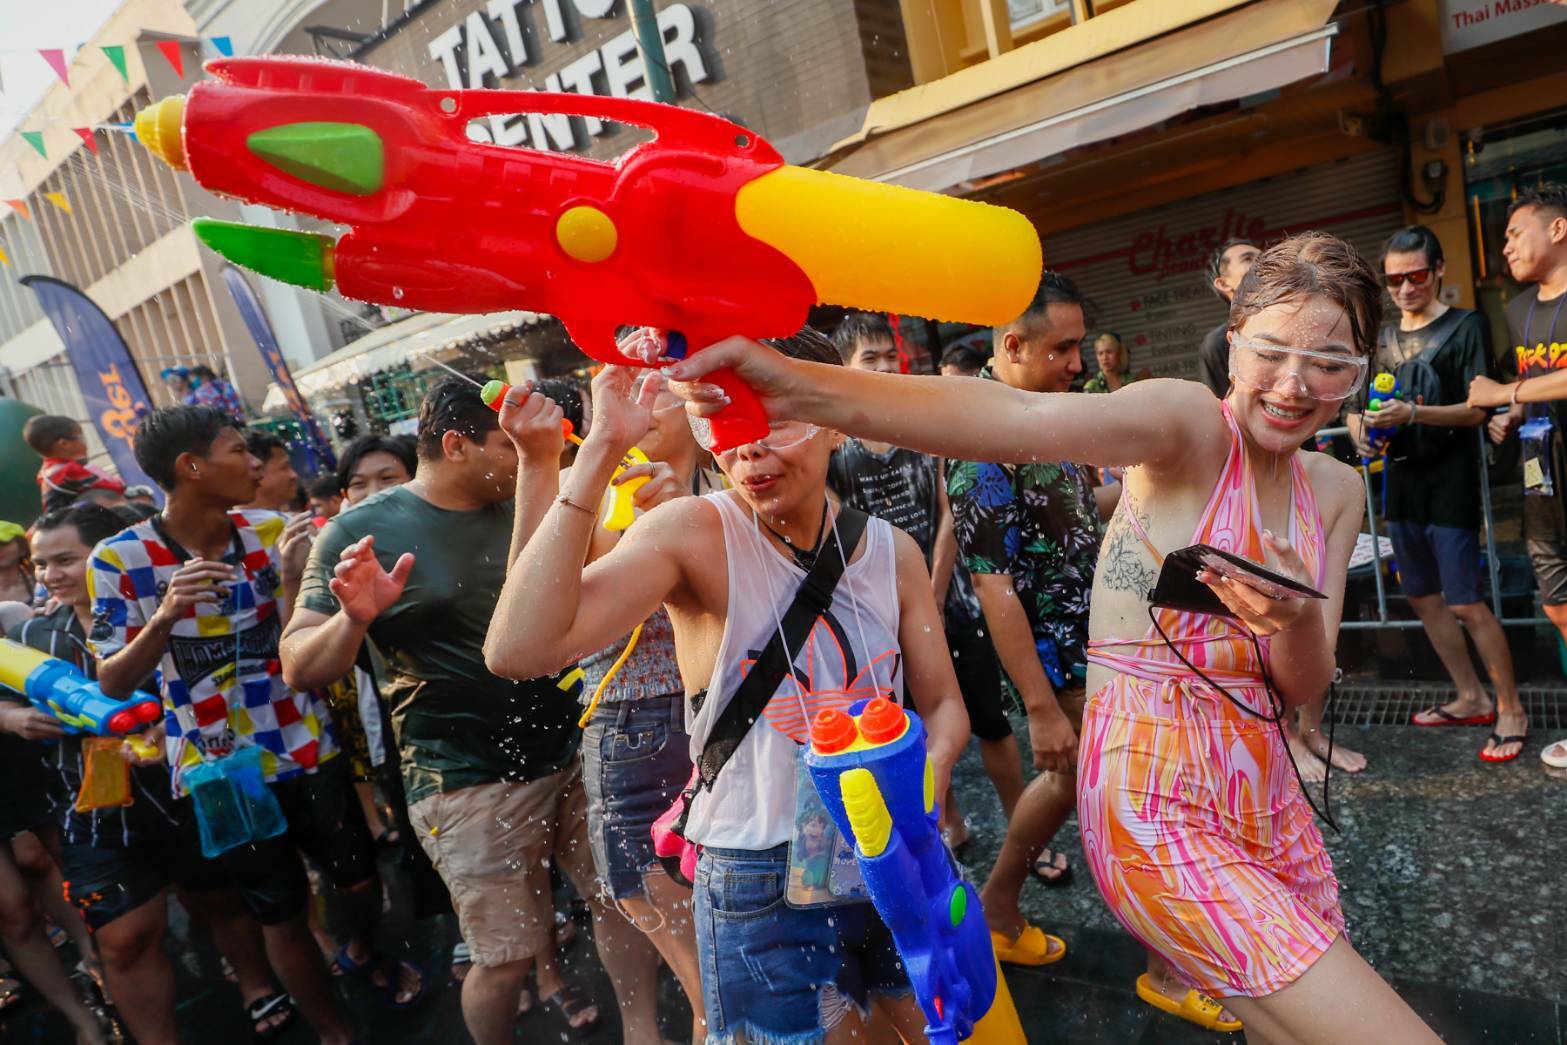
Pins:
x: 222, y: 683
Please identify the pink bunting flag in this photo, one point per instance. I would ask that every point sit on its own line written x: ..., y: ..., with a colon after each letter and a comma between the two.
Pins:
x: 55, y: 56
x: 86, y: 135
x: 176, y: 57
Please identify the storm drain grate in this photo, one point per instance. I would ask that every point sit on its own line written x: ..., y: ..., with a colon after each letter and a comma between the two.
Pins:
x: 1392, y: 703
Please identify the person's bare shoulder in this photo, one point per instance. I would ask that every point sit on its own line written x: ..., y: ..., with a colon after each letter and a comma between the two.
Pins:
x: 1339, y: 487
x: 684, y: 527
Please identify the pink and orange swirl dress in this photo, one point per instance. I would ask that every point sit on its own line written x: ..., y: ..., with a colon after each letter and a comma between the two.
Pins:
x: 1195, y: 827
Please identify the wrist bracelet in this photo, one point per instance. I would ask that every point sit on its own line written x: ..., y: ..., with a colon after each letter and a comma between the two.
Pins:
x: 1512, y: 400
x: 569, y: 503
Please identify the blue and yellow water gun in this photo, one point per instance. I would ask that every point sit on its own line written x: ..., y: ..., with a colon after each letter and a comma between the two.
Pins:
x: 869, y: 766
x: 57, y: 687
x: 1384, y: 390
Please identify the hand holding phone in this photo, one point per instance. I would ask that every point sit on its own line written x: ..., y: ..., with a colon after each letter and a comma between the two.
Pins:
x: 1205, y: 579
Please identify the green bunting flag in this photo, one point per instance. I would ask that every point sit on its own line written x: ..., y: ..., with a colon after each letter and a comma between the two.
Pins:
x: 116, y: 53
x: 36, y: 140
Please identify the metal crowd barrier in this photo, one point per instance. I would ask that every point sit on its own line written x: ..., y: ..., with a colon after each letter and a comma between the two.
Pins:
x: 1492, y: 565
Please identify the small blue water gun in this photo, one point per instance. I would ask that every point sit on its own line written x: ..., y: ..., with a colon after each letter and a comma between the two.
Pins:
x: 870, y: 769
x: 57, y: 687
x: 1384, y: 390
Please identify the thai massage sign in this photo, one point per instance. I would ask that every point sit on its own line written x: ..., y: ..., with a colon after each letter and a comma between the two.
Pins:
x: 499, y: 43
x: 1471, y: 23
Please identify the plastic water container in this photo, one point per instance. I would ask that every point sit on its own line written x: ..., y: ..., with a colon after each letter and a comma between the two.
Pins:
x: 234, y: 806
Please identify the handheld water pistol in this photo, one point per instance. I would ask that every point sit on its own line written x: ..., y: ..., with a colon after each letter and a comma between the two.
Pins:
x: 56, y: 687
x: 1384, y: 390
x: 620, y: 510
x: 869, y: 767
x: 703, y: 231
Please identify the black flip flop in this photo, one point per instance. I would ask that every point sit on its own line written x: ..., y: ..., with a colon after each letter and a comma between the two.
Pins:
x: 569, y: 1001
x: 1064, y: 876
x: 266, y: 1008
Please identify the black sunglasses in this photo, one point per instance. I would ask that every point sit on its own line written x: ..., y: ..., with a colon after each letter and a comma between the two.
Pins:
x: 1418, y: 277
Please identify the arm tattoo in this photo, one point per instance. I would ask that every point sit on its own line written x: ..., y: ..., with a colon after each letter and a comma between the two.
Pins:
x: 1122, y: 563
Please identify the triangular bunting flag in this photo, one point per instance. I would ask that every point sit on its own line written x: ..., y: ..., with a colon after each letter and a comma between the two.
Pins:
x: 171, y: 51
x: 116, y: 53
x: 5, y: 259
x: 85, y: 134
x: 36, y: 140
x: 224, y: 46
x: 20, y: 206
x: 59, y: 200
x: 56, y: 58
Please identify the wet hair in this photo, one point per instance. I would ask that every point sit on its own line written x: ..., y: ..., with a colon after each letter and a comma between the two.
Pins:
x: 325, y: 486
x: 165, y: 434
x: 453, y: 405
x: 965, y: 357
x: 1215, y: 267
x: 1314, y: 264
x: 262, y: 444
x: 92, y: 522
x: 860, y: 326
x: 808, y: 344
x: 43, y: 431
x: 568, y: 395
x: 1416, y: 239
x: 1054, y: 289
x: 1551, y: 198
x: 205, y: 373
x: 399, y: 446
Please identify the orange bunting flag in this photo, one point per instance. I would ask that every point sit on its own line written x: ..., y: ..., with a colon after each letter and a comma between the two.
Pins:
x: 59, y: 200
x: 55, y: 56
x: 20, y: 206
x: 171, y: 51
x: 86, y: 135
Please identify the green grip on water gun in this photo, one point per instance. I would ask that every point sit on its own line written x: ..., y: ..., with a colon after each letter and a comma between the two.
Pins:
x: 621, y: 510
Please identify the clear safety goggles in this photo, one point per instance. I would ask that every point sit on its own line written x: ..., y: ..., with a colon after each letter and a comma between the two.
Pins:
x: 1264, y: 367
x: 781, y: 435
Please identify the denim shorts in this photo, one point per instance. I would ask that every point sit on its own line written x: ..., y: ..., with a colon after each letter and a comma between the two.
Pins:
x: 636, y: 756
x: 776, y: 973
x: 1438, y: 560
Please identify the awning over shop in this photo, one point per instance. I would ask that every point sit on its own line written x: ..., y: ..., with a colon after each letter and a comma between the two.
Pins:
x: 425, y: 334
x: 1258, y: 48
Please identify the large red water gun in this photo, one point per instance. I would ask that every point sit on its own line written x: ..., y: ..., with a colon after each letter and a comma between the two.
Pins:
x: 703, y: 230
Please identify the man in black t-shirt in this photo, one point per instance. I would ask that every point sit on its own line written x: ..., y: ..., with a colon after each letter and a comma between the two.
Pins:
x: 1536, y: 253
x: 1432, y: 477
x: 1226, y: 266
x: 909, y: 490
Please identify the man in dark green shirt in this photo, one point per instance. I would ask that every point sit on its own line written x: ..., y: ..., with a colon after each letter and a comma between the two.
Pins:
x: 489, y: 764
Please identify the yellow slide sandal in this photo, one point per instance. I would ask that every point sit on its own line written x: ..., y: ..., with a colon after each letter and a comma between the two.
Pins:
x: 1033, y: 946
x: 1196, y: 1007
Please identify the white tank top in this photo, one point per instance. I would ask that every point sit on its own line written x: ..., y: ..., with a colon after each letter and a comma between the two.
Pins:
x: 852, y: 654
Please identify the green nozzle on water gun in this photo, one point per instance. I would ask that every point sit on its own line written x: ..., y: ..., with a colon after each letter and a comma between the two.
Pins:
x: 621, y: 507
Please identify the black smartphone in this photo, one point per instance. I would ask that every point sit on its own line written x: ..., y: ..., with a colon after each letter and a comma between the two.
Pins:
x: 1179, y: 589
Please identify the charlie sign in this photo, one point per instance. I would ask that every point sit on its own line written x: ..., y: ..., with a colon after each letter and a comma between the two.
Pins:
x: 495, y: 45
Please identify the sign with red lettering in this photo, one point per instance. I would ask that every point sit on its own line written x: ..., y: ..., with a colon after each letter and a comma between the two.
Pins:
x: 1472, y: 23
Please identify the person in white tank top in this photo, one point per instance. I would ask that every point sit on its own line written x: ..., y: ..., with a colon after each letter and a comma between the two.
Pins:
x: 726, y: 566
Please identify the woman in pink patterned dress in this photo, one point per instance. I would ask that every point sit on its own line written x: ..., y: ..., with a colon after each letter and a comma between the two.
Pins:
x: 1196, y: 830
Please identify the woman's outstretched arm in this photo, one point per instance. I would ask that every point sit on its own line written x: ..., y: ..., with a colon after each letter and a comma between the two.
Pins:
x: 1150, y: 422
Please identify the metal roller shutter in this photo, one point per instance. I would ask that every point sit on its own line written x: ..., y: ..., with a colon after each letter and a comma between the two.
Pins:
x: 1145, y: 272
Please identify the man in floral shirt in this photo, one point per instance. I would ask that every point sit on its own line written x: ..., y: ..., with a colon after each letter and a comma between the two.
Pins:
x: 1029, y: 535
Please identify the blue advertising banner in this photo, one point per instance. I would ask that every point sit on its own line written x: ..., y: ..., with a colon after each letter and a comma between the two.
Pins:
x: 109, y: 380
x: 256, y: 321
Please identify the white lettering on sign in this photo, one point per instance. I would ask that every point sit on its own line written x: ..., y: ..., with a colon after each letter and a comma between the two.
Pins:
x: 1473, y: 23
x: 490, y: 46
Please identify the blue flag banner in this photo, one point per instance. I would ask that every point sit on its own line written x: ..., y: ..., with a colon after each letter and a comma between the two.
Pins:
x: 109, y: 380
x: 261, y: 330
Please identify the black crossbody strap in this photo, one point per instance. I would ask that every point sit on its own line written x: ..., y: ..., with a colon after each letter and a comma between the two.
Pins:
x: 761, y: 682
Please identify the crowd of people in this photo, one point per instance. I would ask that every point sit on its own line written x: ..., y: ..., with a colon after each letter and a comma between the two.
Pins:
x: 442, y: 648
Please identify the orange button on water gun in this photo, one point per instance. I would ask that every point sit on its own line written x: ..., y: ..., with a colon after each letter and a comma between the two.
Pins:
x: 832, y: 732
x: 882, y: 721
